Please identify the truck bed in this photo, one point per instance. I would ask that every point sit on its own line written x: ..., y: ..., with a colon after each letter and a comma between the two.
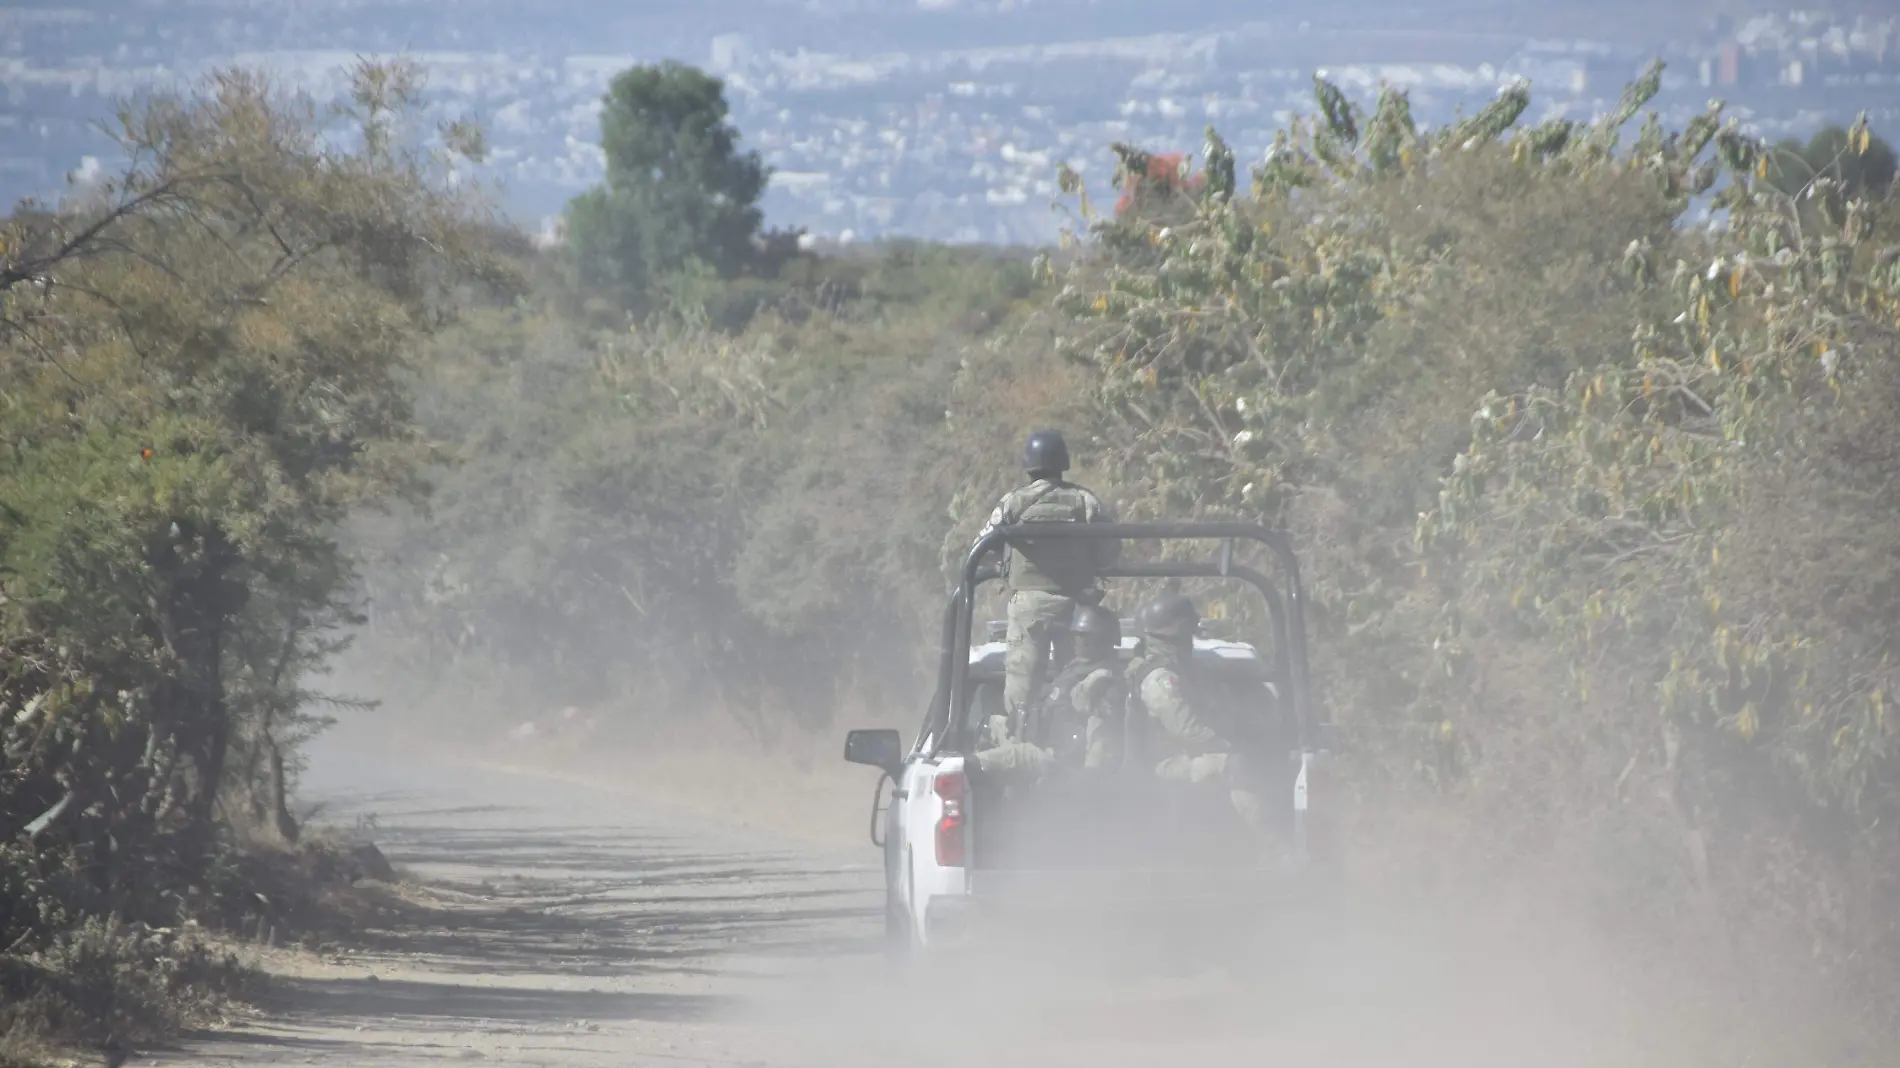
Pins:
x: 1122, y: 822
x: 1118, y: 867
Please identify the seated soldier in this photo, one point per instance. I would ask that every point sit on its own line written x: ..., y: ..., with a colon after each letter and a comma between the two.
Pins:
x: 1185, y: 748
x: 1076, y: 723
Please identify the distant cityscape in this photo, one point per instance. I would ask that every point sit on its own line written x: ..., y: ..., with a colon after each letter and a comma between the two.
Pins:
x: 957, y: 142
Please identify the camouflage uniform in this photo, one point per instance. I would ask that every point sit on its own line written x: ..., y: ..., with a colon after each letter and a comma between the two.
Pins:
x: 1014, y: 761
x: 1045, y: 580
x: 1077, y: 726
x: 1081, y: 714
x: 1185, y: 749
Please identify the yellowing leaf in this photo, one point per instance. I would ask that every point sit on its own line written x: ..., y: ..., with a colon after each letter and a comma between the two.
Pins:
x: 1735, y: 283
x: 1747, y: 722
x: 1715, y: 359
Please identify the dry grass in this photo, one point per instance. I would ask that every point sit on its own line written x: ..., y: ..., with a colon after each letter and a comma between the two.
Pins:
x: 105, y: 987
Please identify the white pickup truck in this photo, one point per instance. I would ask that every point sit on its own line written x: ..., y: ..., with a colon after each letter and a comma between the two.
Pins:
x: 965, y: 852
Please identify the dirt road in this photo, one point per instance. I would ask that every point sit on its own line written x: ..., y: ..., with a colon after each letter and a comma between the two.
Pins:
x: 585, y: 928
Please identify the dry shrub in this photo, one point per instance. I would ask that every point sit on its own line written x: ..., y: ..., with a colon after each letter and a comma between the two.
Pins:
x: 115, y: 986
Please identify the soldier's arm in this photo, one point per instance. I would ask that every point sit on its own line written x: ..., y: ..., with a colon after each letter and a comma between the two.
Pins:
x: 1088, y: 696
x: 996, y: 520
x: 1094, y: 697
x: 1162, y: 693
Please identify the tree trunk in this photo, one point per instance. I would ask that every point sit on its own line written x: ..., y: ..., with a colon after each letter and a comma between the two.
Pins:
x: 282, y: 821
x: 277, y: 783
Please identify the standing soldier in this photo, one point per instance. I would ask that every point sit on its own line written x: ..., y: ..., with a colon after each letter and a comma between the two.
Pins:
x: 1045, y: 580
x: 1185, y: 749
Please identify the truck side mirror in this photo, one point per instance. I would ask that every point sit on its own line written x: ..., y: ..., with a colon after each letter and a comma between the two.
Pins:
x: 881, y: 748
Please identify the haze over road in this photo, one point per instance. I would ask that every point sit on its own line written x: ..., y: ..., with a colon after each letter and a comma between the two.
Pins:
x: 587, y: 930
x: 584, y: 927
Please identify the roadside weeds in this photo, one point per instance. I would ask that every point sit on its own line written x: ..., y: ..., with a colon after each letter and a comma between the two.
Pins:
x: 102, y: 989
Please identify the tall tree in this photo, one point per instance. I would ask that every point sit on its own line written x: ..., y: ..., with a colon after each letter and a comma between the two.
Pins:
x: 677, y: 187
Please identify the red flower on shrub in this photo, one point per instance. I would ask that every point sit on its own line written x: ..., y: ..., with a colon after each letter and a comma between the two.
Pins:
x: 1162, y: 180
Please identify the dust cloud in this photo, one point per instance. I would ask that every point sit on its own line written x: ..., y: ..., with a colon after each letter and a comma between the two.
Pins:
x: 1370, y: 971
x: 1354, y: 985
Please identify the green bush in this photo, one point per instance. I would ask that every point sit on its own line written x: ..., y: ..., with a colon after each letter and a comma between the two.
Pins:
x: 203, y: 362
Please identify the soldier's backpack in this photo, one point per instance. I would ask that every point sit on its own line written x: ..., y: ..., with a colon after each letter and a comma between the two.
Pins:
x: 1066, y: 565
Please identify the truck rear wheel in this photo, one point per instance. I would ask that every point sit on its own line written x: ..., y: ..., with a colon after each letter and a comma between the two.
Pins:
x: 898, y: 938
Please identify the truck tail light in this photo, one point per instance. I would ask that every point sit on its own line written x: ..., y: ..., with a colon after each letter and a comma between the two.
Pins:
x: 949, y: 787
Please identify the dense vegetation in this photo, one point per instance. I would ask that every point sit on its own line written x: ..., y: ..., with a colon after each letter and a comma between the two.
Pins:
x: 1598, y: 500
x: 1582, y: 431
x: 199, y: 378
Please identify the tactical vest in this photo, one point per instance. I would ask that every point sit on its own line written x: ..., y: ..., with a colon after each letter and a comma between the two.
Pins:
x: 1061, y: 566
x: 1057, y: 723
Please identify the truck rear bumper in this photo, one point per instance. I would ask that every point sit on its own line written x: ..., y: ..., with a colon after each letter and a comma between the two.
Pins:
x: 1140, y: 889
x: 1062, y: 906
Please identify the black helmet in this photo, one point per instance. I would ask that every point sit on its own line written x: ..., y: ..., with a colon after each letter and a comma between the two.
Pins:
x: 1045, y: 453
x: 1170, y: 615
x: 1097, y: 623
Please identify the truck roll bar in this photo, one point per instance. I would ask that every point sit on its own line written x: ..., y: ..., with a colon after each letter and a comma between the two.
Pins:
x: 1286, y: 607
